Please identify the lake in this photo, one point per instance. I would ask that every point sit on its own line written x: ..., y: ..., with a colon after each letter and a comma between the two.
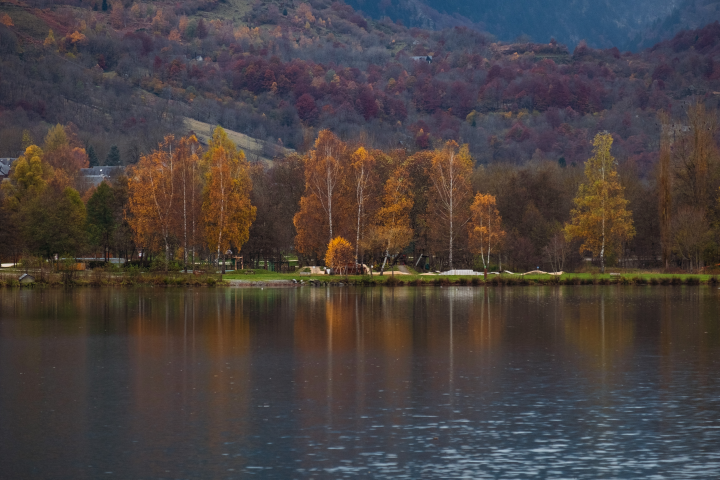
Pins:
x: 404, y: 382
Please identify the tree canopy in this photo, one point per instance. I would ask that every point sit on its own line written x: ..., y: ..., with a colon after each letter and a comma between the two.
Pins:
x: 600, y: 217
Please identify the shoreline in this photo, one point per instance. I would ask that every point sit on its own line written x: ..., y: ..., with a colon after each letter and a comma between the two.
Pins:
x: 104, y: 279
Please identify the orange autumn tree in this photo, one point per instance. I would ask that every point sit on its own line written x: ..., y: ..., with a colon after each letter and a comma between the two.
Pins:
x: 153, y: 196
x: 449, y: 198
x: 392, y: 229
x: 63, y: 151
x: 339, y: 254
x: 325, y: 205
x: 226, y: 210
x: 189, y: 190
x: 485, y: 230
x: 364, y: 179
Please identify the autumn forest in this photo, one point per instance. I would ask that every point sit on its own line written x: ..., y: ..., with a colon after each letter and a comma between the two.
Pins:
x: 446, y: 143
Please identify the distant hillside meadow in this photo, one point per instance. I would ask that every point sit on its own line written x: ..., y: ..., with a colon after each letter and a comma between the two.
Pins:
x: 120, y: 76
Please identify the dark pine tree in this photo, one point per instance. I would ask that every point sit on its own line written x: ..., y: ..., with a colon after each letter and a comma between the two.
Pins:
x: 92, y: 156
x: 104, y: 5
x: 101, y: 218
x: 113, y: 156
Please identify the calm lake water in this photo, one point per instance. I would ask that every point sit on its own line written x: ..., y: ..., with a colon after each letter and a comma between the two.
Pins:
x: 410, y: 382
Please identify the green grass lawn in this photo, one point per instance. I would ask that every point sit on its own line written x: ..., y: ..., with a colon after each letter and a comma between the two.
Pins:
x: 566, y: 278
x: 8, y: 277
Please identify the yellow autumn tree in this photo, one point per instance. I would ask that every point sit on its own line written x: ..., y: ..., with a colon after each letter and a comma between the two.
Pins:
x: 392, y: 225
x: 486, y: 231
x: 600, y: 217
x: 50, y: 39
x: 153, y: 196
x: 6, y: 20
x: 189, y: 191
x: 63, y: 151
x: 226, y: 210
x: 449, y: 197
x: 28, y: 178
x: 339, y: 255
x: 364, y: 180
x: 77, y: 37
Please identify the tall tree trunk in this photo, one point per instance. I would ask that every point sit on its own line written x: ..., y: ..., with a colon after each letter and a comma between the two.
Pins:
x: 185, y: 225
x: 664, y: 184
x: 329, y: 193
x: 167, y: 253
x: 452, y: 181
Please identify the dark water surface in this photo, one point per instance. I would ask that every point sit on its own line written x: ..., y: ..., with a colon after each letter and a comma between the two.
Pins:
x: 410, y: 382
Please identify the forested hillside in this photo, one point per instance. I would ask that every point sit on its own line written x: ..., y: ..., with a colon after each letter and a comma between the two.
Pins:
x: 132, y: 73
x: 602, y: 24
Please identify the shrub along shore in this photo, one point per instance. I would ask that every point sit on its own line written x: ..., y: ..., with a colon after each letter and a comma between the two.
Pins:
x: 250, y: 278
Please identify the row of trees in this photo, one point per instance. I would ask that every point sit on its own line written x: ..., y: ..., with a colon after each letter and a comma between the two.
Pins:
x: 385, y: 201
x: 453, y: 219
x: 182, y: 201
x: 177, y: 200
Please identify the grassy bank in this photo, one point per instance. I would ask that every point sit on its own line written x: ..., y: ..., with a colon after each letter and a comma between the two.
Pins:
x: 504, y: 279
x: 99, y: 277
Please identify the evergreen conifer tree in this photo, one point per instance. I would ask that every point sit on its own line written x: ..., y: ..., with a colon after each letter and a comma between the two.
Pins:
x: 92, y: 156
x: 113, y: 156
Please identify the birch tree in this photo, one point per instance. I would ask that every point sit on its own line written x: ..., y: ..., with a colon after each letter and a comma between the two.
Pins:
x: 363, y: 166
x: 153, y: 197
x: 226, y: 209
x: 600, y: 217
x: 665, y: 187
x: 323, y: 211
x: 486, y: 231
x: 189, y: 194
x: 393, y: 230
x: 450, y: 195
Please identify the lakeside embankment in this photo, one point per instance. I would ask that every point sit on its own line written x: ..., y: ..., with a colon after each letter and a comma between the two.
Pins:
x: 263, y: 278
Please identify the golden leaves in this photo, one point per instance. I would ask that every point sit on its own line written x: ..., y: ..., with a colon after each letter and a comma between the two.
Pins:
x: 339, y: 253
x: 485, y: 229
x: 77, y: 37
x: 226, y: 208
x: 600, y: 216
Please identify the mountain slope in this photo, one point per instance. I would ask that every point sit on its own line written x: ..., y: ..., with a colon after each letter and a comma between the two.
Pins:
x: 603, y: 23
x: 279, y: 74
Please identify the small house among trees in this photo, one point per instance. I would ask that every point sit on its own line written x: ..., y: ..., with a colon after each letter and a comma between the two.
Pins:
x: 421, y: 58
x: 5, y: 165
x: 93, y: 176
